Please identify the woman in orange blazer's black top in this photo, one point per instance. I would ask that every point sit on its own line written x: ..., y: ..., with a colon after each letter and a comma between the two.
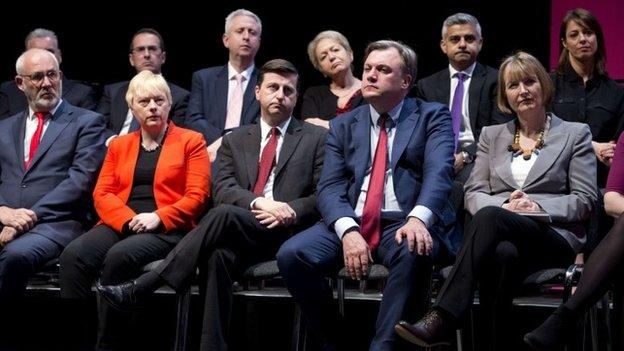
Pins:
x: 152, y: 188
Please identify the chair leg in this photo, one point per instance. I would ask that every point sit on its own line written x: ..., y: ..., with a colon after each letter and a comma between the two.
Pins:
x: 340, y: 289
x: 184, y: 302
x: 299, y: 331
x: 593, y: 326
x: 460, y: 340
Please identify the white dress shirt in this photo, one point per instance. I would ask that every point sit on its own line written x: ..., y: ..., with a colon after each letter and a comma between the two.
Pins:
x: 232, y: 81
x: 390, y: 203
x: 31, y: 127
x: 265, y: 134
x: 466, y: 137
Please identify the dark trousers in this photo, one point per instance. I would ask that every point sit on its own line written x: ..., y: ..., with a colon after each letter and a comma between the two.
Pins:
x: 310, y: 256
x: 500, y: 249
x: 226, y: 238
x: 19, y: 259
x: 115, y: 258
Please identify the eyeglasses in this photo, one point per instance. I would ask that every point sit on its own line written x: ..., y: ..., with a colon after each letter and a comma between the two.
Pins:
x: 152, y: 49
x: 38, y: 77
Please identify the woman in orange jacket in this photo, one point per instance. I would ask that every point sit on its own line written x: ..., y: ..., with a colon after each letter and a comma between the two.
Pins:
x: 153, y: 186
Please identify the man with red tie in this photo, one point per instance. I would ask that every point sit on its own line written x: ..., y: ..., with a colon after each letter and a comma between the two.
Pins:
x: 383, y: 195
x: 264, y: 192
x: 49, y: 156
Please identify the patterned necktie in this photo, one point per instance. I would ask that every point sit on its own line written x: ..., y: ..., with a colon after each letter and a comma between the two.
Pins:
x: 267, y: 161
x: 371, y: 214
x: 235, y: 104
x: 34, y: 141
x: 456, y: 107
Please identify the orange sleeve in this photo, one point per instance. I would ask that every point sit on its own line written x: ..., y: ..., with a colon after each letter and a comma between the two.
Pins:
x: 183, y: 213
x: 109, y: 206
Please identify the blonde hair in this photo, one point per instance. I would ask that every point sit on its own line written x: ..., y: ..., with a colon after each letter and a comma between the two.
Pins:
x: 521, y: 65
x: 147, y: 83
x: 328, y: 34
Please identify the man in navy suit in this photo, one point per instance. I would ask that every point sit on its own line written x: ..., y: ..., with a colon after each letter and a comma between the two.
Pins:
x: 12, y: 100
x: 49, y: 156
x: 147, y: 52
x: 222, y: 97
x: 475, y: 99
x: 386, y: 202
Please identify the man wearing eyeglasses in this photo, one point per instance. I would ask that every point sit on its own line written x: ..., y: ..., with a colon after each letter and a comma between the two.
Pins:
x: 12, y: 100
x: 147, y: 52
x: 49, y: 156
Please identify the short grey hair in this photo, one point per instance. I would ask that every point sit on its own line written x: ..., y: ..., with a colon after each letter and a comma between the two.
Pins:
x: 407, y: 54
x: 19, y: 64
x: 328, y: 34
x: 461, y: 18
x: 41, y: 33
x: 241, y: 12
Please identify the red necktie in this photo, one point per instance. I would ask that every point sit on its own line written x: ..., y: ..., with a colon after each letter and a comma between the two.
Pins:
x: 267, y: 161
x: 34, y: 141
x: 371, y: 215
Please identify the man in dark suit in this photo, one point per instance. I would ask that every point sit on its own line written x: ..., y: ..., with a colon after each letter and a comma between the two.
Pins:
x: 12, y: 99
x: 383, y: 196
x: 473, y: 102
x: 49, y: 156
x: 222, y: 97
x: 265, y: 191
x: 147, y: 52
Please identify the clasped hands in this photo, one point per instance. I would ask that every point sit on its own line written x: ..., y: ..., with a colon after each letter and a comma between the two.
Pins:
x: 357, y: 254
x: 521, y: 202
x: 272, y: 213
x: 604, y: 151
x: 145, y: 222
x: 15, y: 222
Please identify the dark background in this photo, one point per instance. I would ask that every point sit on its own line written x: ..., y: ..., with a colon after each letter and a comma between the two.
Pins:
x: 95, y: 42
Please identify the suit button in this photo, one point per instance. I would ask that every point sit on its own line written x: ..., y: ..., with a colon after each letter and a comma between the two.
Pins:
x: 23, y: 185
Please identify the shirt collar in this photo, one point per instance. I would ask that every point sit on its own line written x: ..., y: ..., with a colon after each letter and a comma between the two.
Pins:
x: 468, y: 71
x: 394, y: 113
x: 246, y: 73
x: 265, y: 128
x: 51, y: 113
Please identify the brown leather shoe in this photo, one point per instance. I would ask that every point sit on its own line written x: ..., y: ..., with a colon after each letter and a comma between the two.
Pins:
x: 428, y: 331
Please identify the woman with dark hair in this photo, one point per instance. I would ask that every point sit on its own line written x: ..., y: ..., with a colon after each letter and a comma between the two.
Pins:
x: 531, y: 191
x: 583, y: 90
x: 331, y: 54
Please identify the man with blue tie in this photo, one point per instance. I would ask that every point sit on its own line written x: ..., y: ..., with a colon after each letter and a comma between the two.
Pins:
x: 49, y: 156
x: 222, y: 97
x: 383, y: 195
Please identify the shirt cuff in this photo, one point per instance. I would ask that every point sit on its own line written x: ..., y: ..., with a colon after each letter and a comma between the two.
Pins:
x: 342, y: 224
x: 251, y: 205
x: 110, y: 138
x: 424, y: 214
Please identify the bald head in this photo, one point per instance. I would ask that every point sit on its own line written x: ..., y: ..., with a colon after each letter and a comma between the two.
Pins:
x: 39, y: 77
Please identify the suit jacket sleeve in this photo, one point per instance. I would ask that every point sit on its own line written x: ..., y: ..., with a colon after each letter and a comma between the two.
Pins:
x: 87, y: 159
x: 333, y: 201
x: 4, y: 103
x: 111, y: 209
x: 227, y: 187
x: 197, y: 119
x: 478, y: 190
x: 420, y: 93
x: 197, y: 191
x: 104, y: 107
x: 578, y: 204
x: 305, y: 207
x: 89, y: 101
x: 178, y: 111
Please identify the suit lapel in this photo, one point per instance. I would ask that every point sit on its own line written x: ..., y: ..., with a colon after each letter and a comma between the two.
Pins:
x: 291, y: 140
x: 249, y: 98
x: 58, y: 122
x: 251, y: 151
x: 221, y: 89
x: 554, y: 143
x: 404, y: 129
x: 360, y: 130
x: 19, y: 132
x: 474, y: 94
x: 501, y: 158
x: 119, y: 108
x: 443, y: 92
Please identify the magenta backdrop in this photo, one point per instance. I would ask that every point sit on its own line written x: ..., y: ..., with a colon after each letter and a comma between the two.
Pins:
x: 610, y: 14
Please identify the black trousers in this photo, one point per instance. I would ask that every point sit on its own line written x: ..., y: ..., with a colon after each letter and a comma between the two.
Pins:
x: 227, y: 238
x: 102, y: 252
x: 500, y: 249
